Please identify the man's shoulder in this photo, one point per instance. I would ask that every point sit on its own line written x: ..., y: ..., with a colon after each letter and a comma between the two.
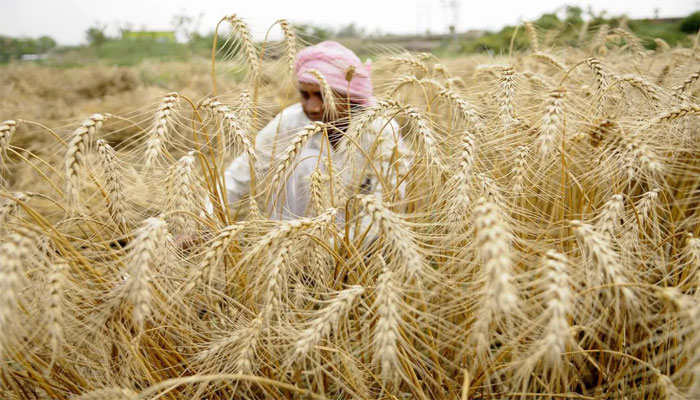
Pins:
x: 293, y: 117
x: 288, y: 119
x: 293, y: 109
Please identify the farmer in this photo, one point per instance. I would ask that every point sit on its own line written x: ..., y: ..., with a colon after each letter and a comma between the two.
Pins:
x: 350, y: 80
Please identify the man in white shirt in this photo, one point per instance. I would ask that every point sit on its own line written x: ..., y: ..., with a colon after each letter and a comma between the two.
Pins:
x: 356, y: 163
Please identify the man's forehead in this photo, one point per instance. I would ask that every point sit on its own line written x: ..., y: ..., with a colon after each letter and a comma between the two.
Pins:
x: 309, y: 86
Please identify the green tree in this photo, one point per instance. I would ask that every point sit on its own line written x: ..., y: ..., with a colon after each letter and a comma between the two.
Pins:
x: 547, y: 21
x: 573, y: 15
x: 313, y: 33
x: 351, y: 30
x: 45, y: 43
x: 96, y: 35
x: 691, y: 23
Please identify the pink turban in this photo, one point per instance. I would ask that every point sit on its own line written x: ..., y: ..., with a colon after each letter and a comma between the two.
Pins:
x: 334, y: 61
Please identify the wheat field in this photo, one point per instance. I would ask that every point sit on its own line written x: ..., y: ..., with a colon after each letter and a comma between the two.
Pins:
x: 542, y: 240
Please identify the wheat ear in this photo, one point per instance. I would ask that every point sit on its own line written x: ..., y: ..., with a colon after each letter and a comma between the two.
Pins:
x: 559, y: 298
x: 241, y: 29
x: 678, y: 91
x: 549, y: 135
x: 212, y: 255
x: 12, y: 206
x: 291, y: 152
x: 532, y: 35
x: 76, y: 153
x: 54, y: 313
x: 410, y: 62
x: 329, y: 107
x: 386, y: 330
x: 14, y: 252
x: 507, y: 96
x: 144, y: 252
x: 7, y: 128
x: 601, y: 77
x: 113, y: 182
x: 606, y: 261
x: 233, y: 126
x: 549, y: 59
x: 158, y: 135
x: 399, y: 237
x: 326, y: 321
x: 290, y: 44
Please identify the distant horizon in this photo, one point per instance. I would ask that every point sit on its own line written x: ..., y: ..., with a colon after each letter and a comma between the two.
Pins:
x: 66, y: 21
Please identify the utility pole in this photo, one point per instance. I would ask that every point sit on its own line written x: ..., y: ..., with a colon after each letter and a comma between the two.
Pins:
x: 453, y: 8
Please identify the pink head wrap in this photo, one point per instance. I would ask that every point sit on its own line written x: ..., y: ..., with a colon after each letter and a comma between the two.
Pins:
x: 333, y: 61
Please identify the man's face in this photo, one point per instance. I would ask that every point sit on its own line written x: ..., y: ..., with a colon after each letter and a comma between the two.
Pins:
x: 312, y: 103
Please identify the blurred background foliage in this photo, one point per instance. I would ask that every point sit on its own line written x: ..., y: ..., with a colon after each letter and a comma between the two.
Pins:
x: 568, y: 24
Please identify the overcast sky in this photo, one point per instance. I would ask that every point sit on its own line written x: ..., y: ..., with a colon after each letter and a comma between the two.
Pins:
x: 67, y: 20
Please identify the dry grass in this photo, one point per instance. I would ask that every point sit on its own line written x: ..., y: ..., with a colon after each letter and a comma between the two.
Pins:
x: 541, y: 239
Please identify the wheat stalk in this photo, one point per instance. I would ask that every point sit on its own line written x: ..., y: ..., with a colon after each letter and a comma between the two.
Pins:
x: 552, y: 121
x: 182, y: 185
x: 549, y: 59
x: 410, y: 62
x: 76, y: 154
x: 559, y: 298
x: 330, y: 111
x: 401, y: 240
x: 158, y: 135
x: 676, y: 113
x: 611, y: 217
x: 461, y: 180
x: 290, y: 43
x: 13, y: 254
x: 678, y: 91
x: 234, y: 125
x: 386, y: 330
x: 54, y: 312
x: 426, y: 135
x: 240, y: 28
x: 11, y: 207
x: 631, y: 39
x: 494, y: 242
x: 598, y: 40
x: 468, y: 111
x: 519, y: 170
x: 143, y: 254
x: 113, y: 182
x: 318, y: 200
x: 7, y: 128
x: 290, y: 153
x: 507, y: 96
x: 597, y: 248
x: 532, y: 35
x: 212, y: 255
x: 647, y: 88
x: 325, y: 321
x: 602, y: 78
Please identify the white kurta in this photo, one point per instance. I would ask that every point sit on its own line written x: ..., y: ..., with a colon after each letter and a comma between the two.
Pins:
x: 382, y: 143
